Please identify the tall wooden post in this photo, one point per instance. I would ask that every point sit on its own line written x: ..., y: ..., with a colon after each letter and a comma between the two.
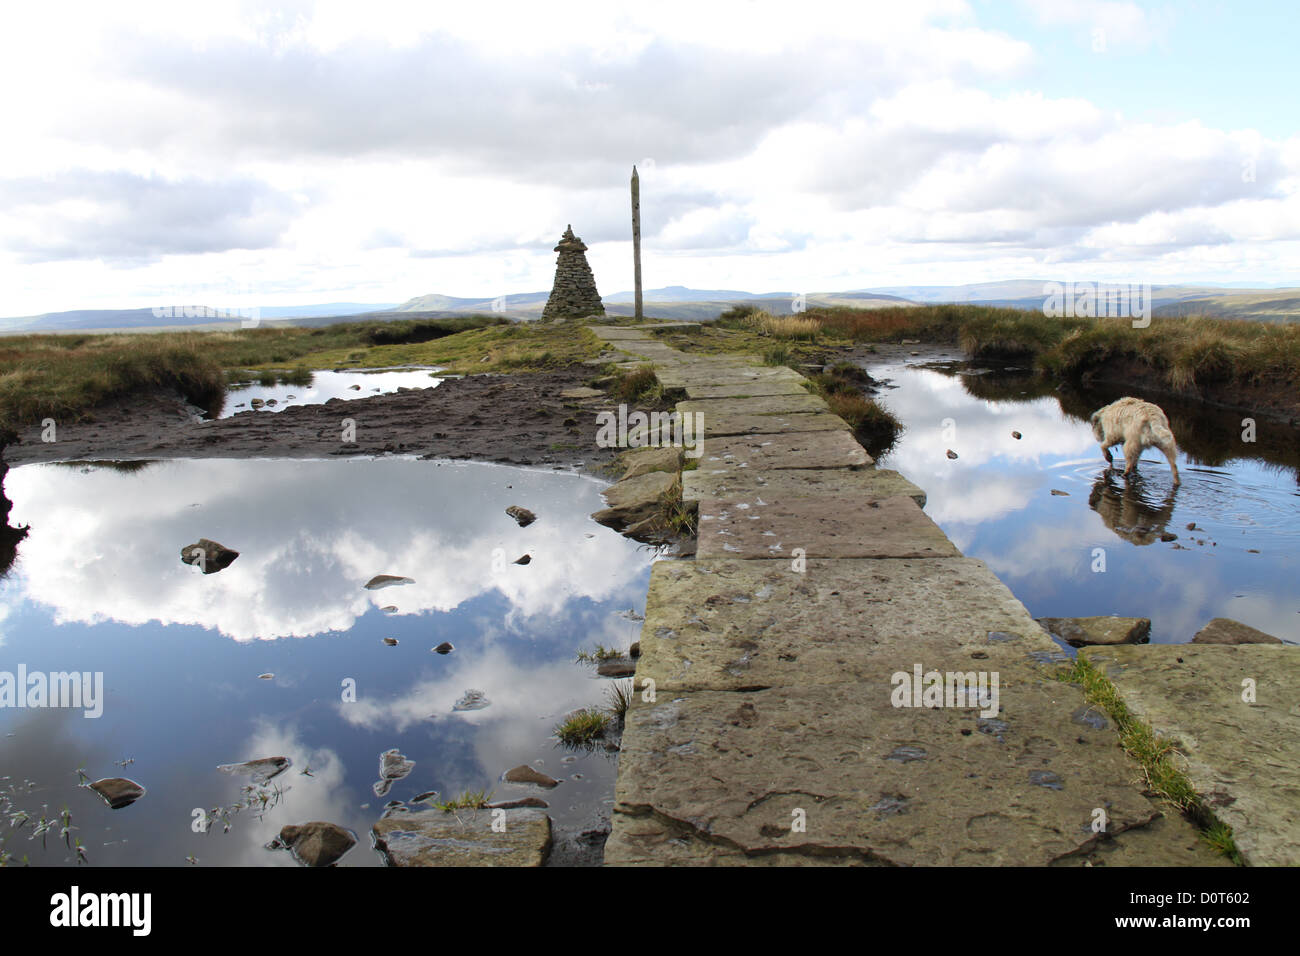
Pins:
x: 636, y: 239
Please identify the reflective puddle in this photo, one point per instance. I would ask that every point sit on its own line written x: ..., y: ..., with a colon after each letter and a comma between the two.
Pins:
x: 317, y: 388
x: 1104, y: 546
x: 285, y: 653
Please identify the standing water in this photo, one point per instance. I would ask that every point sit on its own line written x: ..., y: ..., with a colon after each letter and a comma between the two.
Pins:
x: 1071, y: 538
x: 287, y: 653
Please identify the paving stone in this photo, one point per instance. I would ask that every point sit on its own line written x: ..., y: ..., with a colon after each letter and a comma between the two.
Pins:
x: 745, y: 484
x: 1083, y: 631
x: 875, y: 783
x: 750, y: 390
x: 722, y: 424
x: 722, y: 624
x: 828, y: 449
x: 803, y: 404
x: 1243, y: 758
x: 828, y: 526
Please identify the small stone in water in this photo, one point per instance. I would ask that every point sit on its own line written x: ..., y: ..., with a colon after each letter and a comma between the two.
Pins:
x: 385, y: 581
x: 524, y: 560
x: 267, y: 676
x: 446, y: 647
x: 521, y: 515
x: 118, y: 792
x: 526, y: 774
x: 951, y: 453
x: 472, y: 700
x: 390, y: 641
x: 1061, y: 494
x: 1016, y: 435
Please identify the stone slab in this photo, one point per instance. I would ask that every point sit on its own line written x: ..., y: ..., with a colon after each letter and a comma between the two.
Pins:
x: 463, y: 838
x: 793, y: 404
x: 1243, y: 758
x: 876, y: 783
x: 717, y: 624
x: 828, y: 526
x: 719, y: 373
x: 748, y: 485
x: 750, y: 390
x: 723, y: 424
x: 831, y: 449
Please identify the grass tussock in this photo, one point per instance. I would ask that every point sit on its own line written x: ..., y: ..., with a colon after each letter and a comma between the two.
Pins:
x: 843, y: 387
x: 637, y: 386
x: 469, y: 800
x: 584, y: 727
x: 1155, y: 755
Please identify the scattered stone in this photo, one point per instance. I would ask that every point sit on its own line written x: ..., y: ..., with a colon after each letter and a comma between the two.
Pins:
x: 389, y: 609
x: 642, y: 461
x: 1084, y: 631
x: 393, y: 765
x: 521, y: 515
x: 1016, y: 435
x: 616, y: 668
x: 1060, y: 494
x: 355, y: 388
x: 951, y: 453
x: 1191, y: 526
x: 386, y: 581
x: 118, y: 792
x: 434, y: 838
x: 1224, y: 630
x: 526, y: 559
x: 582, y: 393
x: 634, y: 500
x: 1168, y: 536
x: 267, y: 676
x: 208, y: 555
x: 315, y: 843
x: 472, y: 700
x: 535, y: 802
x: 257, y: 403
x: 260, y: 770
x: 390, y: 641
x: 526, y: 774
x: 446, y: 647
x: 271, y: 401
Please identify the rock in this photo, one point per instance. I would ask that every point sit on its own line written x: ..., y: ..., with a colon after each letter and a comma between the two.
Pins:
x: 393, y: 766
x: 390, y: 641
x: 535, y: 802
x: 434, y: 838
x: 267, y: 676
x: 208, y: 555
x: 633, y: 500
x: 389, y: 609
x: 472, y: 700
x: 951, y: 453
x: 1016, y: 435
x: 1168, y: 536
x: 446, y: 647
x: 260, y: 770
x: 582, y: 393
x: 526, y: 559
x: 526, y: 774
x: 1060, y: 494
x: 118, y: 792
x: 257, y: 403
x: 386, y: 581
x: 521, y: 515
x: 1224, y: 630
x: 642, y: 461
x: 355, y: 388
x: 315, y: 843
x: 1084, y: 631
x: 616, y: 668
x: 635, y: 650
x: 270, y: 402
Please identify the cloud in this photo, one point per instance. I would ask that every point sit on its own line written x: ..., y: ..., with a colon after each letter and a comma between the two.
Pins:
x: 125, y: 217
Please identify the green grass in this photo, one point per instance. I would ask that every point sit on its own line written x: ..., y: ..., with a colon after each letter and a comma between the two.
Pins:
x: 637, y: 386
x: 63, y: 376
x: 469, y: 800
x: 601, y: 653
x: 584, y: 727
x: 619, y: 696
x: 1154, y: 754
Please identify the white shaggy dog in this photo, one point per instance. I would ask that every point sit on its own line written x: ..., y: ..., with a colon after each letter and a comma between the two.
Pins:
x: 1136, y: 425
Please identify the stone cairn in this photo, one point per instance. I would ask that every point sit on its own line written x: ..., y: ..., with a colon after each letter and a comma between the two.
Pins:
x: 574, y: 293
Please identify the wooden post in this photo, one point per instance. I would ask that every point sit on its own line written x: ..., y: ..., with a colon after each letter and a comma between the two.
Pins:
x: 636, y: 239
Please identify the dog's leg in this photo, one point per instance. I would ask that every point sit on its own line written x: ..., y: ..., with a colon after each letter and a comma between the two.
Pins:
x: 1132, y: 452
x: 1105, y: 450
x: 1171, y: 452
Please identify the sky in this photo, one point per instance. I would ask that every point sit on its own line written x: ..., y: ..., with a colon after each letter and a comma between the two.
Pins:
x: 252, y: 154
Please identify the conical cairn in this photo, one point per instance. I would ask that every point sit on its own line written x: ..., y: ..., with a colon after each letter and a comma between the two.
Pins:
x: 574, y: 294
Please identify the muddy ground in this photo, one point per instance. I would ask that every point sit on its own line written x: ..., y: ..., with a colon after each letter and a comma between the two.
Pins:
x: 517, y: 419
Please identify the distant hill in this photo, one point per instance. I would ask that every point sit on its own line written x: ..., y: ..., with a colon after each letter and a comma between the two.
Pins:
x: 171, y: 317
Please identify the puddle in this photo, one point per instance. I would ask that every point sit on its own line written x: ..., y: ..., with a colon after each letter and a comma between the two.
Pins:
x: 324, y: 386
x: 99, y: 586
x: 995, y: 501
